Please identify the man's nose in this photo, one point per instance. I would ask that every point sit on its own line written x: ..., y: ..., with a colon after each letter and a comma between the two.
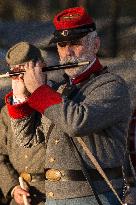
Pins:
x: 69, y: 50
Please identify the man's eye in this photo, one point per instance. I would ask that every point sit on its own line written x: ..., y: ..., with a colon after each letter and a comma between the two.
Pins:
x: 74, y: 43
x: 62, y: 44
x: 71, y: 43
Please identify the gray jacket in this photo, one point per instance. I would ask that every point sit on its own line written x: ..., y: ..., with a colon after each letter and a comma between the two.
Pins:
x: 15, y: 159
x: 99, y: 112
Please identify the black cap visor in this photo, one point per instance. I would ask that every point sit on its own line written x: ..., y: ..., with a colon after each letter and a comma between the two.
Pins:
x: 72, y: 34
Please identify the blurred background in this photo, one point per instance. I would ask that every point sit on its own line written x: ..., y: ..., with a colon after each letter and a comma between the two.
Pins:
x: 31, y: 20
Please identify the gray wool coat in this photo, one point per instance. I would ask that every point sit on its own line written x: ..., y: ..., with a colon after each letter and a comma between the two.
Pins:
x: 99, y: 112
x: 16, y: 158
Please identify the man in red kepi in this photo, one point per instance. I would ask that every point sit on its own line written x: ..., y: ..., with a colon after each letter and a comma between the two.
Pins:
x: 93, y: 104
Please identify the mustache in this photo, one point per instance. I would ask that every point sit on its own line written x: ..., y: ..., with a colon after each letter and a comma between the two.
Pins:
x: 73, y: 59
x: 69, y: 59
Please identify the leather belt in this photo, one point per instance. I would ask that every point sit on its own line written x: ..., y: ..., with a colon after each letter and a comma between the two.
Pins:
x: 77, y: 175
x: 71, y: 175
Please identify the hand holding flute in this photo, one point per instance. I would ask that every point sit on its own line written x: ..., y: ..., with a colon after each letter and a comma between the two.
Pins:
x: 47, y: 68
x: 34, y: 77
x: 24, y: 58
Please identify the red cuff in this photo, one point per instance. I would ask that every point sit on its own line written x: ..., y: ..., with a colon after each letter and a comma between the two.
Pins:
x: 44, y: 97
x: 17, y: 111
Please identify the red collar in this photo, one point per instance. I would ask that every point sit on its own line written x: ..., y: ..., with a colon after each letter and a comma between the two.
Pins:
x: 85, y: 75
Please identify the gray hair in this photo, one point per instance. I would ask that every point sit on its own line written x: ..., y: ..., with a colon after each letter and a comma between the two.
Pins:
x: 88, y: 39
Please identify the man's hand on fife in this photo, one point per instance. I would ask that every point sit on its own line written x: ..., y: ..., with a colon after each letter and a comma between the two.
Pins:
x: 34, y: 77
x: 18, y: 195
x: 18, y: 86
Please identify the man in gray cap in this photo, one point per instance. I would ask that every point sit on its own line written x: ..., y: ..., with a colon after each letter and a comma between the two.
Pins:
x: 17, y: 156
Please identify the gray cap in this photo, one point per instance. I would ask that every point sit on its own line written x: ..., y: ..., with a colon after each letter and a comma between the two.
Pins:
x: 23, y: 52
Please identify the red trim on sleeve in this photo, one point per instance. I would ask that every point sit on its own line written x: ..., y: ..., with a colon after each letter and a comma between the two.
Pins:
x: 44, y: 97
x: 17, y: 111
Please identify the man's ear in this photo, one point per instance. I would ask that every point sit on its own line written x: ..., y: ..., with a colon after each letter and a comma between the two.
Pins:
x: 96, y: 45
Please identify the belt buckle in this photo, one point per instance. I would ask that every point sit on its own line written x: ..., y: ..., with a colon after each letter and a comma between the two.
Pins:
x: 53, y: 175
x: 26, y: 176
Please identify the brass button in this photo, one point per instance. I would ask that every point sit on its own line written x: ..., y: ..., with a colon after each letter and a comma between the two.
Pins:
x: 26, y: 176
x: 57, y: 141
x: 50, y: 194
x: 51, y: 160
x: 53, y: 175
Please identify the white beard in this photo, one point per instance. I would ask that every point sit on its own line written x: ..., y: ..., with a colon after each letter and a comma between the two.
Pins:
x: 72, y: 72
x: 87, y: 55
